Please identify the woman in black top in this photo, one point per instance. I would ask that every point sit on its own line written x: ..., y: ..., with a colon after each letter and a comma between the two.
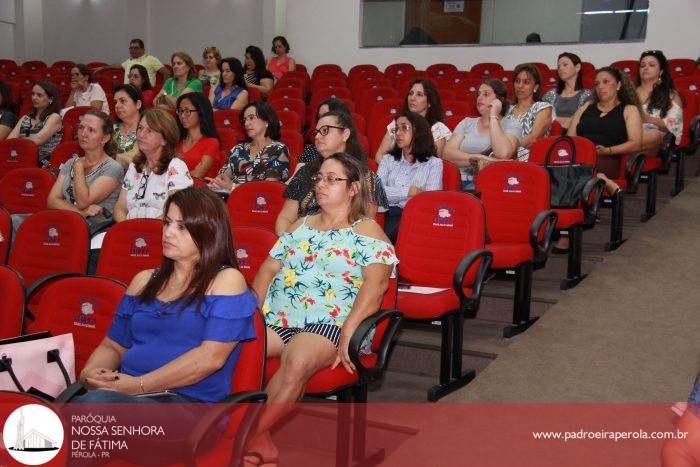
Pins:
x: 613, y: 122
x: 8, y: 117
x: 256, y: 74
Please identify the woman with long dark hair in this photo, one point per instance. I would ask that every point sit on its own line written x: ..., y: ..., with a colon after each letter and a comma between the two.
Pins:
x: 128, y: 105
x: 256, y: 74
x: 8, y: 113
x: 177, y: 327
x: 231, y: 91
x: 199, y: 144
x: 281, y: 62
x: 570, y: 94
x: 138, y: 77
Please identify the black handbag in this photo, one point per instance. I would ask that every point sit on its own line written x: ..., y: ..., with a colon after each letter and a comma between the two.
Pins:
x: 567, y: 178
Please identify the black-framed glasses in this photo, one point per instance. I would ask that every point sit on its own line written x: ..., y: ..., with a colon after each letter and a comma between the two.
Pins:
x: 323, y: 131
x: 185, y: 112
x: 248, y: 118
x: 143, y: 184
x: 328, y: 179
x: 401, y: 128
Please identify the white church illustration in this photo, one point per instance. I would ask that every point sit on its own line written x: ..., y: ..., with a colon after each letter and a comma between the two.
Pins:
x: 32, y: 440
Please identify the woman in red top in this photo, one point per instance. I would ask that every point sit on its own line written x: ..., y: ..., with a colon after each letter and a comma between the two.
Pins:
x: 199, y: 141
x: 281, y: 62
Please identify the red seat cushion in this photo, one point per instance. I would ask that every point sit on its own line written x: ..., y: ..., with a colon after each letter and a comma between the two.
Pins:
x: 508, y: 255
x: 427, y: 306
x: 569, y: 217
x: 652, y: 163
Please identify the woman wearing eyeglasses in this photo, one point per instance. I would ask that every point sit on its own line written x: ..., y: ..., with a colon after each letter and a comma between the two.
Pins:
x: 84, y: 92
x: 199, y: 144
x: 324, y: 276
x: 335, y: 132
x: 89, y: 185
x: 262, y: 157
x: 155, y: 172
x: 231, y: 91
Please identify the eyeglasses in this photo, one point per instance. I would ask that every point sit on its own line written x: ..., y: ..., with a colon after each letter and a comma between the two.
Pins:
x: 134, y: 47
x: 329, y: 179
x: 141, y: 193
x: 401, y: 128
x: 74, y: 74
x: 185, y: 112
x: 323, y: 131
x: 248, y: 118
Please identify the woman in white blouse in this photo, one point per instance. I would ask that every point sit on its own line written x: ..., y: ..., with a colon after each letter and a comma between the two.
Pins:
x: 422, y: 98
x: 410, y: 168
x: 84, y: 92
x: 155, y: 172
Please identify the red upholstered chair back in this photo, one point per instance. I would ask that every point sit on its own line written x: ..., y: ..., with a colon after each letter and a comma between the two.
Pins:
x: 321, y: 94
x: 5, y: 234
x: 485, y: 69
x: 64, y: 65
x: 129, y: 247
x: 64, y: 152
x: 682, y: 67
x: 437, y: 229
x: 71, y: 120
x: 326, y: 69
x: 294, y: 105
x: 11, y: 303
x: 290, y: 119
x: 227, y: 119
x: 382, y: 113
x: 453, y: 109
x: 439, y: 70
x: 585, y: 151
x: 17, y: 153
x: 83, y: 306
x: 285, y: 93
x: 357, y: 70
x: 397, y: 70
x: 49, y: 242
x: 250, y: 369
x: 513, y: 194
x: 329, y: 81
x: 370, y: 96
x: 228, y: 138
x: 252, y: 245
x: 628, y: 67
x: 256, y: 204
x: 24, y: 191
x: 451, y: 177
x: 295, y: 145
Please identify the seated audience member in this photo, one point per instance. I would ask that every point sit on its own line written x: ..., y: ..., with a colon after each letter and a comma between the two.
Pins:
x: 342, y: 292
x: 662, y: 109
x: 90, y: 184
x: 411, y: 167
x: 43, y: 124
x: 310, y: 153
x: 199, y: 141
x: 8, y: 112
x: 487, y: 138
x: 183, y: 81
x: 424, y: 99
x: 231, y: 91
x: 177, y: 328
x: 138, y: 56
x: 281, y: 62
x: 155, y: 173
x: 335, y: 132
x: 84, y: 92
x: 534, y: 116
x: 612, y: 121
x: 138, y: 77
x: 569, y: 95
x: 256, y: 75
x: 211, y: 73
x: 128, y: 104
x: 262, y: 157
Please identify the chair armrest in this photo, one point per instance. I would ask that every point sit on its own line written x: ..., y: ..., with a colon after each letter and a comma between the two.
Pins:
x: 395, y: 317
x: 633, y: 170
x: 471, y: 304
x: 590, y: 198
x: 70, y: 392
x: 693, y: 135
x: 668, y: 144
x: 541, y: 248
x: 41, y: 282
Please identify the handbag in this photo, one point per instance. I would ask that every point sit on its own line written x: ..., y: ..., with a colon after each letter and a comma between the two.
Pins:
x: 38, y: 364
x: 567, y: 178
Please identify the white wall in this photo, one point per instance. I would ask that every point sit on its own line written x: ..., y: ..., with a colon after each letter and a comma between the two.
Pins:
x: 332, y: 36
x: 7, y: 29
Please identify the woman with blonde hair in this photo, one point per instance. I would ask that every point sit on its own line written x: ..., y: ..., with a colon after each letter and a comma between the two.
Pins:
x: 210, y: 75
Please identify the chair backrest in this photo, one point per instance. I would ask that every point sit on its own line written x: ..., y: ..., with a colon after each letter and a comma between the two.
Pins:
x: 682, y: 67
x: 438, y: 70
x: 228, y: 118
x: 326, y: 69
x: 5, y: 234
x: 286, y: 93
x: 513, y: 194
x: 382, y: 113
x: 32, y: 66
x: 585, y: 151
x: 24, y: 191
x: 295, y: 145
x: 294, y: 105
x: 359, y: 69
x: 690, y: 83
x: 6, y: 62
x: 49, y: 242
x: 64, y: 65
x: 397, y: 70
x: 628, y: 67
x: 290, y: 119
x: 83, y: 306
x: 11, y: 303
x: 228, y: 138
x: 437, y: 229
x: 485, y: 69
x: 451, y: 177
x: 557, y: 129
x: 72, y: 119
x: 256, y: 204
x: 64, y: 152
x: 290, y: 83
x: 130, y: 247
x: 17, y: 153
x: 328, y: 82
x: 455, y: 109
x: 252, y: 245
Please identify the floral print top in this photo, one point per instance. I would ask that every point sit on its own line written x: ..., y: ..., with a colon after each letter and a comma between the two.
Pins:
x: 125, y: 141
x: 272, y: 162
x: 321, y: 275
x: 673, y: 119
x: 146, y: 193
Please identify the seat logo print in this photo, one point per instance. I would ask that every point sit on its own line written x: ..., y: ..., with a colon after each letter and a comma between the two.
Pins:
x: 260, y: 204
x: 242, y: 257
x: 140, y: 247
x: 52, y: 237
x: 512, y: 185
x: 28, y: 188
x: 12, y: 156
x: 443, y: 217
x: 84, y: 318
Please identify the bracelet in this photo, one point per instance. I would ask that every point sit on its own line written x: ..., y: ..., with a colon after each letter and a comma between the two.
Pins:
x: 494, y: 116
x: 141, y: 385
x: 610, y: 151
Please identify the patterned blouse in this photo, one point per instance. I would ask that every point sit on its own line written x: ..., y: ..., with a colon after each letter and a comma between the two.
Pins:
x: 527, y: 122
x: 321, y: 275
x: 301, y: 187
x: 125, y: 142
x: 271, y: 162
x: 26, y: 130
x: 146, y: 194
x: 673, y: 120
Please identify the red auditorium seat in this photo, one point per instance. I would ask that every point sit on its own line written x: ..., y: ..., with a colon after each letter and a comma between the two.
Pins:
x: 398, y: 70
x: 328, y: 82
x: 682, y: 67
x: 355, y: 83
x: 467, y: 86
x: 453, y: 263
x: 451, y: 176
x: 359, y: 69
x: 24, y: 191
x: 5, y: 235
x: 62, y: 82
x: 33, y: 66
x: 291, y: 83
x: 485, y: 69
x: 83, y: 306
x: 294, y: 105
x: 519, y: 223
x: 588, y: 69
x: 254, y: 94
x: 451, y: 109
x: 549, y: 80
x: 228, y: 138
x: 295, y: 145
x: 256, y: 204
x: 93, y: 65
x: 64, y: 152
x: 374, y: 83
x: 11, y: 303
x: 326, y: 70
x: 12, y: 71
x: 628, y: 67
x: 557, y: 129
x: 252, y: 246
x: 66, y: 65
x: 7, y: 63
x: 285, y: 93
x: 71, y: 120
x: 290, y: 119
x: 228, y: 119
x: 370, y: 97
x: 382, y: 113
x: 655, y: 165
x: 439, y: 70
x: 109, y: 78
x: 27, y: 82
x: 17, y: 153
x: 129, y: 247
x: 690, y: 83
x: 322, y: 94
x: 543, y: 68
x: 572, y: 221
x: 49, y: 72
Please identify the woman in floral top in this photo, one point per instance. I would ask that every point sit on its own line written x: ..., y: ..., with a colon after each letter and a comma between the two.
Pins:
x: 154, y: 173
x: 128, y: 104
x: 322, y: 278
x: 259, y: 158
